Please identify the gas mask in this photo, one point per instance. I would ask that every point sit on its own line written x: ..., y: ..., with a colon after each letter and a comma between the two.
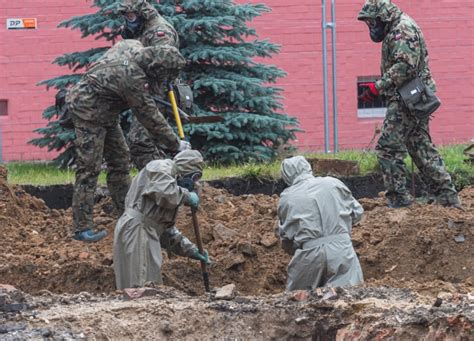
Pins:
x: 191, y: 182
x: 133, y: 25
x: 376, y: 29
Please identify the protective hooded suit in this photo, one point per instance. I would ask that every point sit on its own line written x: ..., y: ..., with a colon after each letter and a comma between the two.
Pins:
x: 315, y: 220
x: 148, y: 223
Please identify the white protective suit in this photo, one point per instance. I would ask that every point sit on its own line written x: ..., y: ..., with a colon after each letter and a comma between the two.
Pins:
x: 315, y: 219
x: 148, y: 222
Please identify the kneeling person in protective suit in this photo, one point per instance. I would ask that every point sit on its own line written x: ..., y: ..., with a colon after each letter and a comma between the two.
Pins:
x: 148, y: 223
x: 315, y: 219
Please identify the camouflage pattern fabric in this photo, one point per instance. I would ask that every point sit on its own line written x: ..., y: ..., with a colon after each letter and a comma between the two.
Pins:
x: 93, y: 144
x: 110, y: 87
x: 405, y: 56
x: 404, y: 52
x: 156, y: 32
x: 142, y: 148
x: 401, y: 132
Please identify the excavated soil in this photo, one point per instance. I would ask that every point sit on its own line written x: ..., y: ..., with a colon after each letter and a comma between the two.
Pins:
x: 168, y: 314
x: 426, y: 248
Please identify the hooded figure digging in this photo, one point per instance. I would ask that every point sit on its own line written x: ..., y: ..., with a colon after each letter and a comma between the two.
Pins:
x: 148, y: 223
x: 315, y: 221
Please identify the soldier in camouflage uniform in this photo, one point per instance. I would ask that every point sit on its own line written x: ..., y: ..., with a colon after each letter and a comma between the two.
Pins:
x: 144, y: 23
x: 404, y: 56
x: 118, y: 81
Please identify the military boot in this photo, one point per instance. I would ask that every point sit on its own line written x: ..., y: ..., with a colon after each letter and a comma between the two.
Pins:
x: 426, y: 198
x: 399, y: 201
x: 449, y: 201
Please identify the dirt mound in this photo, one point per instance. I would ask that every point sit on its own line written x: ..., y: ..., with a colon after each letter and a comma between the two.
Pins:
x: 416, y: 246
x: 409, y: 247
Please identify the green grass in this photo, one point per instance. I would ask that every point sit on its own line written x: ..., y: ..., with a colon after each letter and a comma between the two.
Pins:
x: 38, y: 174
x: 463, y: 172
x: 48, y: 174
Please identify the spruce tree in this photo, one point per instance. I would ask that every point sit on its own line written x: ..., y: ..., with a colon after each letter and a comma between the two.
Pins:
x: 220, y: 49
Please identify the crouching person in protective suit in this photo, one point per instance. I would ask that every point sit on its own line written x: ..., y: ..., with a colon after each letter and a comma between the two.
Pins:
x: 148, y: 223
x: 315, y: 219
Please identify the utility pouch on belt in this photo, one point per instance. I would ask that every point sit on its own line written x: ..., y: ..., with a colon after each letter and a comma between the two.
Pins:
x: 65, y: 119
x: 419, y: 98
x: 184, y: 97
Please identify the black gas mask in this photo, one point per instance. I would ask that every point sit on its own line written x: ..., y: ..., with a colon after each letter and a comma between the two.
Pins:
x: 133, y: 26
x: 376, y: 29
x: 190, y: 181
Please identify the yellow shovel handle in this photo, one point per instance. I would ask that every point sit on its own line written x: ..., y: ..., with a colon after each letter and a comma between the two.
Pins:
x: 174, y: 106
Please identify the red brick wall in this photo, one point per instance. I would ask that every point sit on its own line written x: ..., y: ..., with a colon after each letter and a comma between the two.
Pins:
x: 25, y: 59
x: 296, y: 25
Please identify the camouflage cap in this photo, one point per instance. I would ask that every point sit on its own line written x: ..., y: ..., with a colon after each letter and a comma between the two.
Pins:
x: 156, y: 60
x: 189, y: 161
x: 141, y: 7
x: 383, y: 9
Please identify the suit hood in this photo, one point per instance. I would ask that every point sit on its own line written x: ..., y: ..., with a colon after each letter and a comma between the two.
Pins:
x: 293, y: 168
x: 141, y: 7
x: 386, y: 10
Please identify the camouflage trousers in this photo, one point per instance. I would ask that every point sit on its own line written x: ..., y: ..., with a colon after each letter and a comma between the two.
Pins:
x: 402, y: 132
x: 142, y: 147
x: 93, y: 144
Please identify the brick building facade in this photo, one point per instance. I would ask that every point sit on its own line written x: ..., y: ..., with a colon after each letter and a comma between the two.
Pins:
x: 26, y: 55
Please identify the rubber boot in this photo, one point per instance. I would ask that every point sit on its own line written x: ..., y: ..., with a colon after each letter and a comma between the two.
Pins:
x: 399, y: 202
x: 90, y: 236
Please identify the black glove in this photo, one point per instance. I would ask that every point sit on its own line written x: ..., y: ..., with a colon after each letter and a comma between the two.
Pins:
x: 127, y: 33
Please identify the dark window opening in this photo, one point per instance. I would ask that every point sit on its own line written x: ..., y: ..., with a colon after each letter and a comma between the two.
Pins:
x: 3, y: 107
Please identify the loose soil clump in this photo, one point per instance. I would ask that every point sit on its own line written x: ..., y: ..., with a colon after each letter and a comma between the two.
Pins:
x: 424, y: 247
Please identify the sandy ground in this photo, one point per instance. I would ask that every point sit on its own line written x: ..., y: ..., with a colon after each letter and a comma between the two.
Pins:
x: 424, y: 249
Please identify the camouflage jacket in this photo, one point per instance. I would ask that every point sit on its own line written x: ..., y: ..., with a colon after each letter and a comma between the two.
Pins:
x: 404, y: 51
x: 113, y: 85
x: 156, y: 31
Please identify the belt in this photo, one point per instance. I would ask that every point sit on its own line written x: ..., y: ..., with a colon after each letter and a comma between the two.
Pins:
x: 313, y: 243
x: 139, y: 215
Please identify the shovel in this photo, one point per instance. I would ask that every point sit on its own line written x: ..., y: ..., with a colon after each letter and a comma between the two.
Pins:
x: 197, y: 232
x: 185, y: 118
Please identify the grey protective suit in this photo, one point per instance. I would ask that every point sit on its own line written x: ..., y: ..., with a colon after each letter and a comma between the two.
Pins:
x: 148, y: 222
x: 315, y: 219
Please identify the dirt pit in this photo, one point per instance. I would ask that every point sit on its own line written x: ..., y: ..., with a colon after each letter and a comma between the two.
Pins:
x: 418, y: 265
x: 357, y: 313
x: 426, y: 247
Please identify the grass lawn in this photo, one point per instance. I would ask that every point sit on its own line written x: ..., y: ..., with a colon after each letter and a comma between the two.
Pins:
x: 48, y: 174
